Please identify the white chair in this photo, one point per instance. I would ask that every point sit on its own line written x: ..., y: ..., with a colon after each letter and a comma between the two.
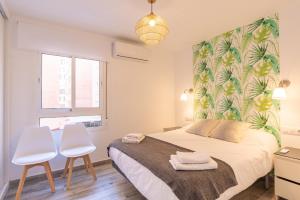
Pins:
x: 35, y: 148
x: 75, y: 143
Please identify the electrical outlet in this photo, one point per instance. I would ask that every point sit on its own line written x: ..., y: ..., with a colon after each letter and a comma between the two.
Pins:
x: 291, y: 132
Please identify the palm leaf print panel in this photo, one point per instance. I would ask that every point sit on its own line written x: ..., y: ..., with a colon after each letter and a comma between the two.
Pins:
x: 235, y: 74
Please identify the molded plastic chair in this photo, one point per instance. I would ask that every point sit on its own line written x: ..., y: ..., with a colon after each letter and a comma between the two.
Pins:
x: 75, y: 143
x: 35, y: 147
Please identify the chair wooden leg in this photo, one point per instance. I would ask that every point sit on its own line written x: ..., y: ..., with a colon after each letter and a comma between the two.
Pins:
x: 91, y: 167
x: 66, y: 167
x: 86, y: 164
x: 49, y: 176
x: 21, y: 183
x: 70, y: 173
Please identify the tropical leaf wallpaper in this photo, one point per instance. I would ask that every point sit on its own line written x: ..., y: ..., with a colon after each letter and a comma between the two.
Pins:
x: 235, y: 74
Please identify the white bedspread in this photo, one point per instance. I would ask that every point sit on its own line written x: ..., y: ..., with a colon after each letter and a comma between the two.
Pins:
x: 248, y: 160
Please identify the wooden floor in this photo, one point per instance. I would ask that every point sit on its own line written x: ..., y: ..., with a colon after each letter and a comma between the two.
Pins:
x: 110, y: 185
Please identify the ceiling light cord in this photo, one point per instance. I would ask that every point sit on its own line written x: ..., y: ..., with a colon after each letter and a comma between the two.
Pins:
x: 151, y: 2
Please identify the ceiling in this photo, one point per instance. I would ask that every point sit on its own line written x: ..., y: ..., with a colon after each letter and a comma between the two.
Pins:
x: 190, y: 21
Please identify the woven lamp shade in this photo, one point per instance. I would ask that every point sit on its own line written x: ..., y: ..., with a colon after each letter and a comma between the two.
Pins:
x: 151, y: 29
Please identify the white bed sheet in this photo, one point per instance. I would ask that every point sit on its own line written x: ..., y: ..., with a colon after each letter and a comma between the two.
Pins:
x: 248, y: 161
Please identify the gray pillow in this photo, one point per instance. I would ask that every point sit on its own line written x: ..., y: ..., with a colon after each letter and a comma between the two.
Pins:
x: 230, y: 131
x: 203, y: 127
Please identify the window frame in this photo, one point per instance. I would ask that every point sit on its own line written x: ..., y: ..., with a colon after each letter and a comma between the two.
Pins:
x: 74, y: 111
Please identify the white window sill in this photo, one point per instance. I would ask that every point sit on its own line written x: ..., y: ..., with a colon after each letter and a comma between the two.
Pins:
x: 89, y: 129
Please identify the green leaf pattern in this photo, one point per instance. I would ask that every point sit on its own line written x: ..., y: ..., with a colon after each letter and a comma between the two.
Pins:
x: 235, y: 74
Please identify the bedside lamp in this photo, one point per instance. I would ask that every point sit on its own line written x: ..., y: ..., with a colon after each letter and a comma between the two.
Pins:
x: 185, y: 95
x: 279, y: 93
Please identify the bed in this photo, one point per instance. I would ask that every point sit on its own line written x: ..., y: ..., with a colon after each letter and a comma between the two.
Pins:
x: 250, y: 159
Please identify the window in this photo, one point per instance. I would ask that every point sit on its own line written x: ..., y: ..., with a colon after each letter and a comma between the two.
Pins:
x: 71, y: 91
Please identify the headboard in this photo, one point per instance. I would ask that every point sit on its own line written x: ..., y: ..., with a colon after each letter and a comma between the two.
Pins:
x: 235, y: 74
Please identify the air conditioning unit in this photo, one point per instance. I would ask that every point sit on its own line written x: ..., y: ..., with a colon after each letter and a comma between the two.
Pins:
x: 130, y: 51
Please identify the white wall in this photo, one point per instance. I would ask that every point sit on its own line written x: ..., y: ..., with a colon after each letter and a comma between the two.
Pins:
x: 2, y: 137
x: 140, y: 95
x: 183, y: 80
x: 290, y: 69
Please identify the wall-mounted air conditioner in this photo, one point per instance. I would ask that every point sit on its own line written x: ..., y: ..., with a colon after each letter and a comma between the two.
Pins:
x: 130, y: 51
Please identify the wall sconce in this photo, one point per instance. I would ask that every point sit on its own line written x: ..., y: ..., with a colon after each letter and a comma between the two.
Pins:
x: 279, y: 93
x: 185, y: 95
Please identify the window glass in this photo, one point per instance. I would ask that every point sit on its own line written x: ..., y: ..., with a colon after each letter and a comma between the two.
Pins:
x: 87, y: 83
x: 56, y: 81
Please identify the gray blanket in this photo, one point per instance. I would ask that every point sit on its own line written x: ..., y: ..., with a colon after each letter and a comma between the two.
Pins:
x: 155, y: 154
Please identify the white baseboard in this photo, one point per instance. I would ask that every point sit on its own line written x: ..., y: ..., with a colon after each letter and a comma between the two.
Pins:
x: 4, y: 191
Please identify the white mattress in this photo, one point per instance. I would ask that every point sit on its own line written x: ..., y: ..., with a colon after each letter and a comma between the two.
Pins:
x: 249, y: 160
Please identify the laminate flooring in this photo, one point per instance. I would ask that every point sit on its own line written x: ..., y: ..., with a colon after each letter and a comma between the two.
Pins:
x: 110, y: 185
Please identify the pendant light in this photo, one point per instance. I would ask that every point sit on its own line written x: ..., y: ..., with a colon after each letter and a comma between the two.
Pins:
x: 151, y: 29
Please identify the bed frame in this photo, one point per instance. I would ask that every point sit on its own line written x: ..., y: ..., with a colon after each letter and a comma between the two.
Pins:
x: 267, y: 179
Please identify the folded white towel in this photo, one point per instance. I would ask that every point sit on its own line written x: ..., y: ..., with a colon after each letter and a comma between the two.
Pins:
x: 179, y: 166
x: 125, y: 139
x: 135, y: 135
x: 192, y: 157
